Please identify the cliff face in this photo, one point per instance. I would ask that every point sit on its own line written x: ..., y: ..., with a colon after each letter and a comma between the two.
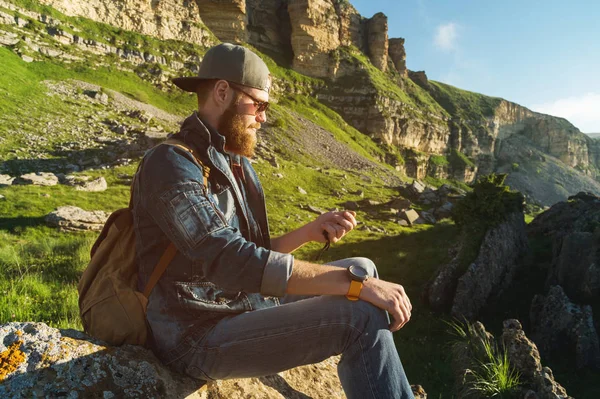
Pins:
x: 315, y: 33
x: 161, y: 19
x: 308, y: 35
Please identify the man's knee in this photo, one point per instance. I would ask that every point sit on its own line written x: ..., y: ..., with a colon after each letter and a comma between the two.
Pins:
x: 367, y: 264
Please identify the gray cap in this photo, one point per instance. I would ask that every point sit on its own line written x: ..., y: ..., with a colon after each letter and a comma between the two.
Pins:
x: 230, y: 62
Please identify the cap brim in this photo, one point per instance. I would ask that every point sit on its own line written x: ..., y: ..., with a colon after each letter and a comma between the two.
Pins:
x: 188, y: 83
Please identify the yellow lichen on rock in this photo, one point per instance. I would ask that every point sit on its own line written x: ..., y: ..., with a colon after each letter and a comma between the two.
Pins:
x: 10, y: 359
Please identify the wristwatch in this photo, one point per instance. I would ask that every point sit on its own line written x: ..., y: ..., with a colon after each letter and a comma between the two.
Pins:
x: 358, y: 275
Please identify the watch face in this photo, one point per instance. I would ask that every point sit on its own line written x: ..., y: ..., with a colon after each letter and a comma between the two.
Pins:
x: 358, y: 273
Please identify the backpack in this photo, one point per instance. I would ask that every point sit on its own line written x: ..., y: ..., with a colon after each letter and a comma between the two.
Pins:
x: 110, y: 306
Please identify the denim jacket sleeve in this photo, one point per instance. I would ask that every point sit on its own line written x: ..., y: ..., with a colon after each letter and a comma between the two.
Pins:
x: 172, y: 191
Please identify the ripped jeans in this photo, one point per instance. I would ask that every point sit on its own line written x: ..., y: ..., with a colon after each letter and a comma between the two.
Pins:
x: 306, y: 330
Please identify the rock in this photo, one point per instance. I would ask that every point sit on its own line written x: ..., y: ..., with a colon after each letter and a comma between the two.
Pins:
x: 97, y: 95
x: 397, y: 54
x: 416, y: 188
x: 400, y: 204
x: 428, y: 217
x: 95, y: 185
x: 6, y: 19
x: 315, y: 32
x: 38, y: 179
x: 65, y: 363
x: 494, y: 268
x: 6, y: 180
x: 410, y: 216
x: 524, y: 356
x: 377, y: 28
x: 350, y: 205
x: 560, y: 325
x: 444, y: 211
x: 419, y: 77
x: 48, y: 362
x: 2, y: 197
x: 439, y: 293
x: 536, y: 381
x: 301, y: 190
x: 418, y: 392
x: 403, y: 223
x: 370, y: 202
x: 576, y: 265
x: 316, y: 210
x: 8, y: 38
x: 523, y: 353
x: 278, y: 175
x: 72, y: 218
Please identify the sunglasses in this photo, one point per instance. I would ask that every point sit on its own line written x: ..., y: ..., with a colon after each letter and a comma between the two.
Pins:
x: 261, y: 106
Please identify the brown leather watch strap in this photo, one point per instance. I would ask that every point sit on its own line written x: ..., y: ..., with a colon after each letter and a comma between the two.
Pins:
x: 160, y: 268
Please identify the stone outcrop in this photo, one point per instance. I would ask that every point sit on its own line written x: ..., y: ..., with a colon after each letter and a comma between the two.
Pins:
x: 419, y: 77
x: 315, y: 33
x: 560, y: 325
x: 226, y: 19
x: 397, y: 54
x: 377, y: 28
x: 40, y: 361
x: 269, y: 28
x: 494, y: 268
x: 72, y: 218
x: 352, y: 26
x: 468, y: 355
x: 574, y: 238
x: 466, y: 292
x: 161, y: 19
x: 525, y: 358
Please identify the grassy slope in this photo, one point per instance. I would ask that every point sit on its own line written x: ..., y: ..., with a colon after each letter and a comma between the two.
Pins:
x: 462, y: 103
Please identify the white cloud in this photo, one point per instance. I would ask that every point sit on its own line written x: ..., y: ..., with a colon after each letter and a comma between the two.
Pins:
x: 446, y: 36
x: 582, y: 111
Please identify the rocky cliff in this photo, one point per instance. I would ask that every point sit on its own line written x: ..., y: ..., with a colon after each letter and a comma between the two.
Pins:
x: 366, y: 80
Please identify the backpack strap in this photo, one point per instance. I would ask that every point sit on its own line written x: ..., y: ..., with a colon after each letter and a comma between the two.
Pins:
x: 171, y: 250
x: 160, y: 268
x: 184, y: 146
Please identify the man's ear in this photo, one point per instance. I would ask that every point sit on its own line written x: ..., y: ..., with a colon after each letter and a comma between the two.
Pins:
x: 221, y: 94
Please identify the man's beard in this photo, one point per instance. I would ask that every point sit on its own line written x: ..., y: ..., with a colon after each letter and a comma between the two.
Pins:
x: 233, y: 127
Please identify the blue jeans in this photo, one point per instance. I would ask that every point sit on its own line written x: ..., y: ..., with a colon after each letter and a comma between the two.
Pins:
x: 306, y: 330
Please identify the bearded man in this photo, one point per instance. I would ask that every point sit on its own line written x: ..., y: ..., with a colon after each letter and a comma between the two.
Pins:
x: 234, y: 303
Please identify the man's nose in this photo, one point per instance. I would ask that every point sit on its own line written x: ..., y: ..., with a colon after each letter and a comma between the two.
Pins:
x: 261, y: 117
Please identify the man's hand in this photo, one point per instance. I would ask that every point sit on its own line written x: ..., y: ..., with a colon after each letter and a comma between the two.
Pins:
x: 335, y: 224
x: 388, y: 296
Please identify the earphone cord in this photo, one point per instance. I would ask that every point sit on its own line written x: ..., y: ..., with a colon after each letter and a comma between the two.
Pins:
x: 325, y: 248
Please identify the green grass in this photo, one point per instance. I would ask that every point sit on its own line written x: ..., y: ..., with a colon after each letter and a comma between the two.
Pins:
x: 491, y: 374
x: 439, y: 160
x: 463, y: 104
x: 459, y: 161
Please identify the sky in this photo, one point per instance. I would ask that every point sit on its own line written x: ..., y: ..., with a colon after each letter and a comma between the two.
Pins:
x: 544, y: 55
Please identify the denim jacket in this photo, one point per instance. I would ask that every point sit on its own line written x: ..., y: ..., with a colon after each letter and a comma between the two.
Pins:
x: 224, y: 265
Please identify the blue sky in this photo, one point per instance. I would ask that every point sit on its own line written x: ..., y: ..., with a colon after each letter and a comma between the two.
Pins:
x: 544, y: 55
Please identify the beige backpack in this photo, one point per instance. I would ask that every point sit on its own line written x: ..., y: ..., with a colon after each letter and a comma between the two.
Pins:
x: 110, y: 306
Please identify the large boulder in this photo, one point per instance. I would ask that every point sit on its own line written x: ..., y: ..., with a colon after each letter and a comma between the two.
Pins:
x: 560, y: 325
x: 40, y: 361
